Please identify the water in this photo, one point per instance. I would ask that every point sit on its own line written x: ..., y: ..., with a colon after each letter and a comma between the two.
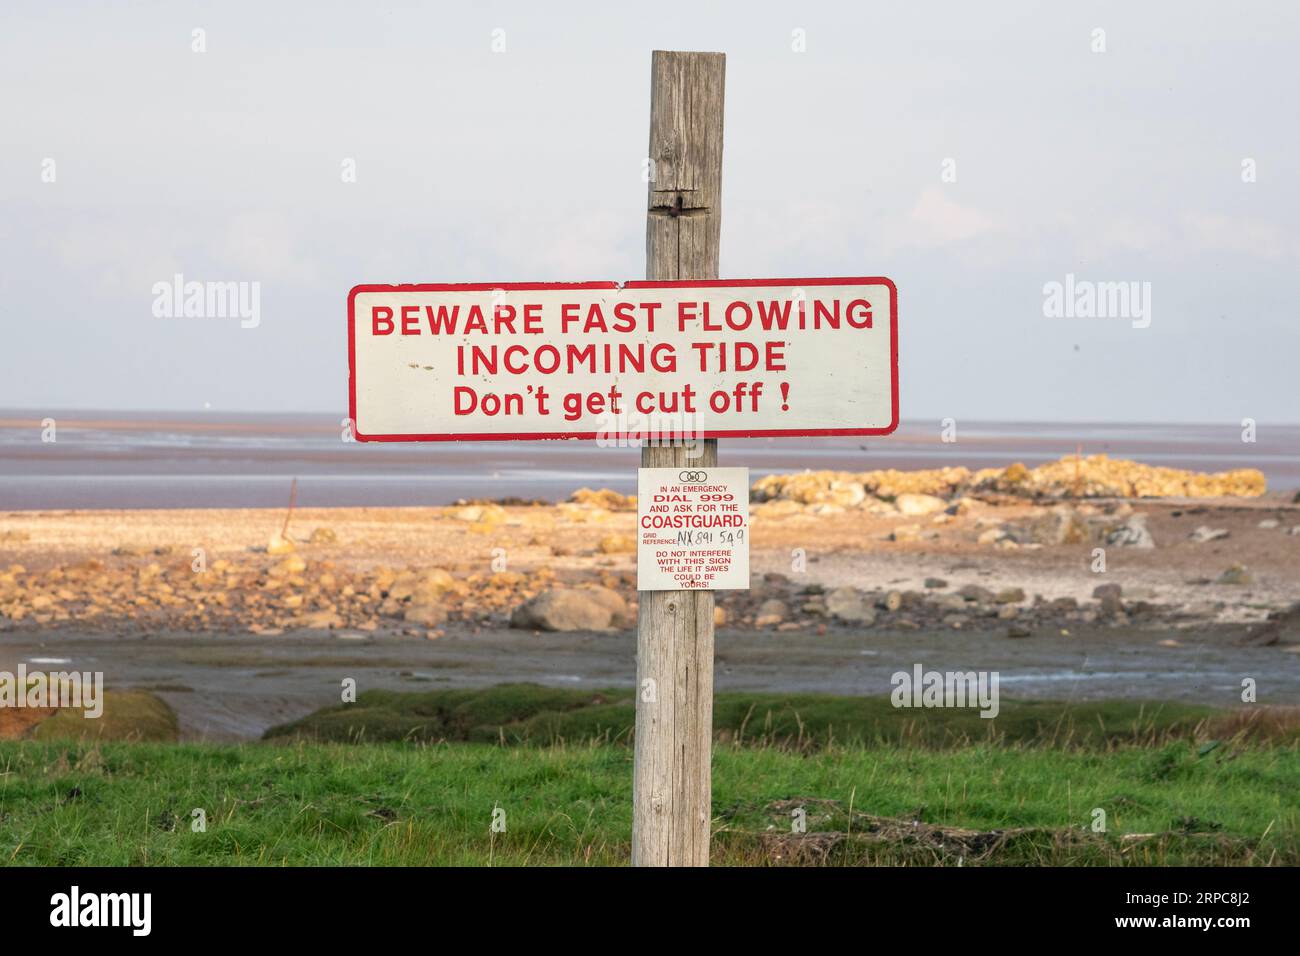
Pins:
x: 198, y: 460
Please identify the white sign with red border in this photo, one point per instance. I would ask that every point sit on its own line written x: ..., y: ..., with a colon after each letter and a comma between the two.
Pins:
x: 742, y: 358
x: 692, y: 529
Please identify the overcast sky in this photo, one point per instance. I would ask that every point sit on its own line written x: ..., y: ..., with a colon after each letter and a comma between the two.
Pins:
x: 526, y: 164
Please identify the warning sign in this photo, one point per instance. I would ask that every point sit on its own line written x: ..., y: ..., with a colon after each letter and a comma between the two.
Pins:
x: 692, y: 529
x: 637, y: 360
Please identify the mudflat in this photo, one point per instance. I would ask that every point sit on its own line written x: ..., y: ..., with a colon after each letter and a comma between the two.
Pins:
x: 239, y: 628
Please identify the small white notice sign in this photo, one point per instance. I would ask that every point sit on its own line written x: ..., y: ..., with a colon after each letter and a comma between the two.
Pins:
x: 692, y: 529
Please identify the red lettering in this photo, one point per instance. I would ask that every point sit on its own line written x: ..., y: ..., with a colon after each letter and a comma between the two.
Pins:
x: 864, y: 314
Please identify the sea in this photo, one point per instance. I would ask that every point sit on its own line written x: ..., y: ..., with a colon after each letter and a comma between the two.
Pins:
x: 75, y: 459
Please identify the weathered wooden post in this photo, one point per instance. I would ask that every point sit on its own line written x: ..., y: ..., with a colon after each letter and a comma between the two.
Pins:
x: 672, y: 780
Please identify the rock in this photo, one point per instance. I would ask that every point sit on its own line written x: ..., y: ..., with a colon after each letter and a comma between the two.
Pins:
x: 893, y: 601
x: 907, y: 532
x: 1010, y: 596
x: 620, y: 615
x: 280, y: 544
x: 617, y: 544
x: 1103, y: 591
x: 1008, y: 611
x: 913, y: 505
x: 1294, y: 530
x: 440, y: 579
x: 1132, y: 533
x: 323, y: 536
x: 475, y: 514
x: 1268, y: 524
x: 776, y: 509
x: 1099, y: 476
x: 973, y: 592
x: 1017, y: 631
x: 1237, y: 575
x: 129, y: 551
x: 1062, y: 525
x: 719, y: 616
x: 950, y: 602
x: 321, y: 620
x: 770, y: 612
x: 935, y: 583
x: 571, y: 609
x: 1205, y: 533
x: 1280, y: 625
x: 429, y: 615
x: 992, y: 536
x: 604, y: 498
x: 849, y: 605
x: 293, y: 564
x: 1110, y: 605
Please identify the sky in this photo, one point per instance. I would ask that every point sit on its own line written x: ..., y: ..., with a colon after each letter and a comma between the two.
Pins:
x: 973, y: 153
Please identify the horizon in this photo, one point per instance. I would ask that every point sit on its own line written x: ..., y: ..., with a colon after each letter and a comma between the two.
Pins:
x: 904, y: 421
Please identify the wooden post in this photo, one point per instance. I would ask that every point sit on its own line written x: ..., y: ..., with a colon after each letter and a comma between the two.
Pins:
x: 672, y: 788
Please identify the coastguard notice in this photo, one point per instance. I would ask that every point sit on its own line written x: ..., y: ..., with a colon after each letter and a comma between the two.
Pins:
x: 692, y: 529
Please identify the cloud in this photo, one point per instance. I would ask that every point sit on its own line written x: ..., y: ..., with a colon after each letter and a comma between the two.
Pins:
x: 937, y: 220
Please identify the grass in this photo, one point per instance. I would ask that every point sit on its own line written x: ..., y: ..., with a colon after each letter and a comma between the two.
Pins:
x: 414, y: 779
x: 128, y: 715
x: 529, y: 714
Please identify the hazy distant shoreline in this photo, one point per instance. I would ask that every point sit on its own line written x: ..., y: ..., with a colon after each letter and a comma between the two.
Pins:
x: 171, y: 459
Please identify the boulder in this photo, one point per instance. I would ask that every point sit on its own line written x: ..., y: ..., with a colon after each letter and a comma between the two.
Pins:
x: 321, y: 620
x: 617, y: 544
x: 1132, y: 533
x: 1205, y: 533
x: 428, y: 615
x: 604, y: 498
x: 1237, y: 575
x: 572, y: 609
x: 770, y: 612
x: 919, y: 504
x: 280, y: 544
x: 849, y: 605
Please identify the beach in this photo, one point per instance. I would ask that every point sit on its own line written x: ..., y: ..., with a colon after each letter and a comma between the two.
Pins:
x: 238, y: 628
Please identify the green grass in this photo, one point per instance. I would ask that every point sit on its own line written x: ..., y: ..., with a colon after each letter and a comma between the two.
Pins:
x: 79, y: 803
x: 414, y: 778
x: 544, y: 716
x: 128, y: 715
